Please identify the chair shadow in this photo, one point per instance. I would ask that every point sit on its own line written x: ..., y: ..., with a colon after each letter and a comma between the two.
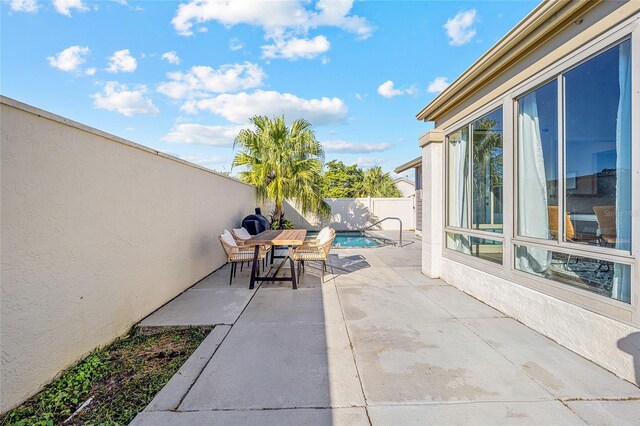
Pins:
x: 343, y: 265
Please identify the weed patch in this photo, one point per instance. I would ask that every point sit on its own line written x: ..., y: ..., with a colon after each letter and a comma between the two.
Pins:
x: 113, y: 384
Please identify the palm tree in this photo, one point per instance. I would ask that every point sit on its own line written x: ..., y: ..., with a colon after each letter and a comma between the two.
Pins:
x: 376, y: 183
x: 282, y: 163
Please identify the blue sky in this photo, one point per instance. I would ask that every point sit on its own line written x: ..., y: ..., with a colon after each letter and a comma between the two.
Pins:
x: 184, y: 77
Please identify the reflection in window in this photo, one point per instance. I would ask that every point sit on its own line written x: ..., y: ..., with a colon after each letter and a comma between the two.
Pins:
x: 597, y: 177
x: 458, y: 179
x: 478, y: 247
x: 605, y: 278
x: 537, y: 139
x: 487, y: 172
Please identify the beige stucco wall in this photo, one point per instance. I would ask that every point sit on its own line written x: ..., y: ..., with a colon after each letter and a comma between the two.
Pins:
x: 97, y: 233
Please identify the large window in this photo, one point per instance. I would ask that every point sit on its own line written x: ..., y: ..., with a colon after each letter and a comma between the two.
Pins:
x: 474, y: 188
x: 574, y: 174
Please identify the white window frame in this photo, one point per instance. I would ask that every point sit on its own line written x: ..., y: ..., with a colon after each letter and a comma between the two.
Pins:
x: 625, y: 312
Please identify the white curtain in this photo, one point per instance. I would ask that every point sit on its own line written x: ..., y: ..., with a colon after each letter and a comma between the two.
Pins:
x: 533, y: 217
x: 622, y: 274
x: 460, y: 212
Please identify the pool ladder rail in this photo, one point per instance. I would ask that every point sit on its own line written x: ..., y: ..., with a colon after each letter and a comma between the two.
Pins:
x: 382, y: 220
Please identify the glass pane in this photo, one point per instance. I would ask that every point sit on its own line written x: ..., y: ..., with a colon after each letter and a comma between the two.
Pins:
x: 598, y: 150
x: 605, y: 278
x: 487, y: 172
x: 458, y: 179
x: 538, y: 163
x: 478, y: 247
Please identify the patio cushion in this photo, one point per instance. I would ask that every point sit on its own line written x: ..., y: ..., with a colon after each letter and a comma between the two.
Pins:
x: 242, y: 233
x: 324, y: 234
x: 228, y: 238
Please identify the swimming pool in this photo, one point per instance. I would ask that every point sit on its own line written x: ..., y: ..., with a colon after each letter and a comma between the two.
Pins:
x: 350, y: 239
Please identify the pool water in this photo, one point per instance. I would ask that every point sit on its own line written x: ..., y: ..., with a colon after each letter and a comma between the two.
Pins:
x: 354, y: 239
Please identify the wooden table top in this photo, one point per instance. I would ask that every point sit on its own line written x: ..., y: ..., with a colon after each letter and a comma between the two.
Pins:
x: 287, y: 237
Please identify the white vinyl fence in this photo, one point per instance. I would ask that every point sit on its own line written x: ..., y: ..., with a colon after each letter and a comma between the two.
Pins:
x: 358, y: 213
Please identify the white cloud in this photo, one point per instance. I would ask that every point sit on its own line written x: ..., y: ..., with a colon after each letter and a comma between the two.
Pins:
x: 117, y: 97
x: 90, y: 71
x: 203, y: 135
x: 65, y: 6
x: 295, y: 48
x: 284, y: 14
x: 70, y: 58
x: 438, y: 85
x: 235, y: 44
x: 214, y: 162
x: 368, y: 162
x: 171, y: 57
x: 460, y: 29
x: 201, y: 81
x: 354, y: 148
x: 29, y: 6
x: 388, y: 90
x: 239, y: 107
x: 122, y: 61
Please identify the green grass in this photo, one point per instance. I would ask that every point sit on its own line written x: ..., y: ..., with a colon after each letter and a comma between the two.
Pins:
x: 120, y: 379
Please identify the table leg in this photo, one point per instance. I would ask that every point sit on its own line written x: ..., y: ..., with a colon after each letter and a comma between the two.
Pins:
x: 294, y: 281
x: 254, y: 267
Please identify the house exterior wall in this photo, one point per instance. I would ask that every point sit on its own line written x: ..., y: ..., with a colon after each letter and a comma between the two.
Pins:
x: 97, y: 233
x: 407, y: 188
x: 605, y: 332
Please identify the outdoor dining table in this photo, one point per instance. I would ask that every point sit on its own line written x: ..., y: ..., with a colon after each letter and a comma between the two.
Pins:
x: 289, y: 238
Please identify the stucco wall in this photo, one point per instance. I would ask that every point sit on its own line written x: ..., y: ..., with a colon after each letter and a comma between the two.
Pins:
x: 97, y: 233
x: 357, y: 213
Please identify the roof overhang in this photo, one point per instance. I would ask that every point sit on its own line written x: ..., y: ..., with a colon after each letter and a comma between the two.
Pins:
x: 410, y: 165
x: 543, y: 22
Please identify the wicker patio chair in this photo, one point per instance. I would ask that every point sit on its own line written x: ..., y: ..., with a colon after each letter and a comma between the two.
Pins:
x: 607, y: 235
x: 241, y: 235
x: 315, y: 250
x: 237, y: 253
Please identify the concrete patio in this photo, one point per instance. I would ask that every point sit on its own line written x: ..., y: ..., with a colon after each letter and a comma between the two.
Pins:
x: 378, y: 343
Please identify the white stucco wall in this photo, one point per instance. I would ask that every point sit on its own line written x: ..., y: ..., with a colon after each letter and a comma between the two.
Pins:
x: 357, y: 213
x: 97, y: 233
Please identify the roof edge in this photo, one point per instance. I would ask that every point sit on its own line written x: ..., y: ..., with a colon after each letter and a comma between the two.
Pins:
x: 547, y: 16
x: 408, y: 165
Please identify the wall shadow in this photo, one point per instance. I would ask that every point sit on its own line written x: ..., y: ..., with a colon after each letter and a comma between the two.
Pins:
x: 352, y: 216
x: 631, y: 345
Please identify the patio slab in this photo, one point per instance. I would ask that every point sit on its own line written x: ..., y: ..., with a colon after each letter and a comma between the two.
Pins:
x: 607, y: 412
x: 435, y: 362
x: 279, y: 365
x: 563, y: 373
x: 317, y: 305
x: 477, y: 413
x: 355, y: 416
x: 392, y: 304
x: 379, y: 344
x: 459, y: 304
x: 201, y: 307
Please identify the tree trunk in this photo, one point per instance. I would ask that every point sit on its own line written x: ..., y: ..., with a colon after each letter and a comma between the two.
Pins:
x: 277, y: 214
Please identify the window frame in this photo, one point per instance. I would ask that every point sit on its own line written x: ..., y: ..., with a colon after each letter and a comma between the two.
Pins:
x: 626, y: 312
